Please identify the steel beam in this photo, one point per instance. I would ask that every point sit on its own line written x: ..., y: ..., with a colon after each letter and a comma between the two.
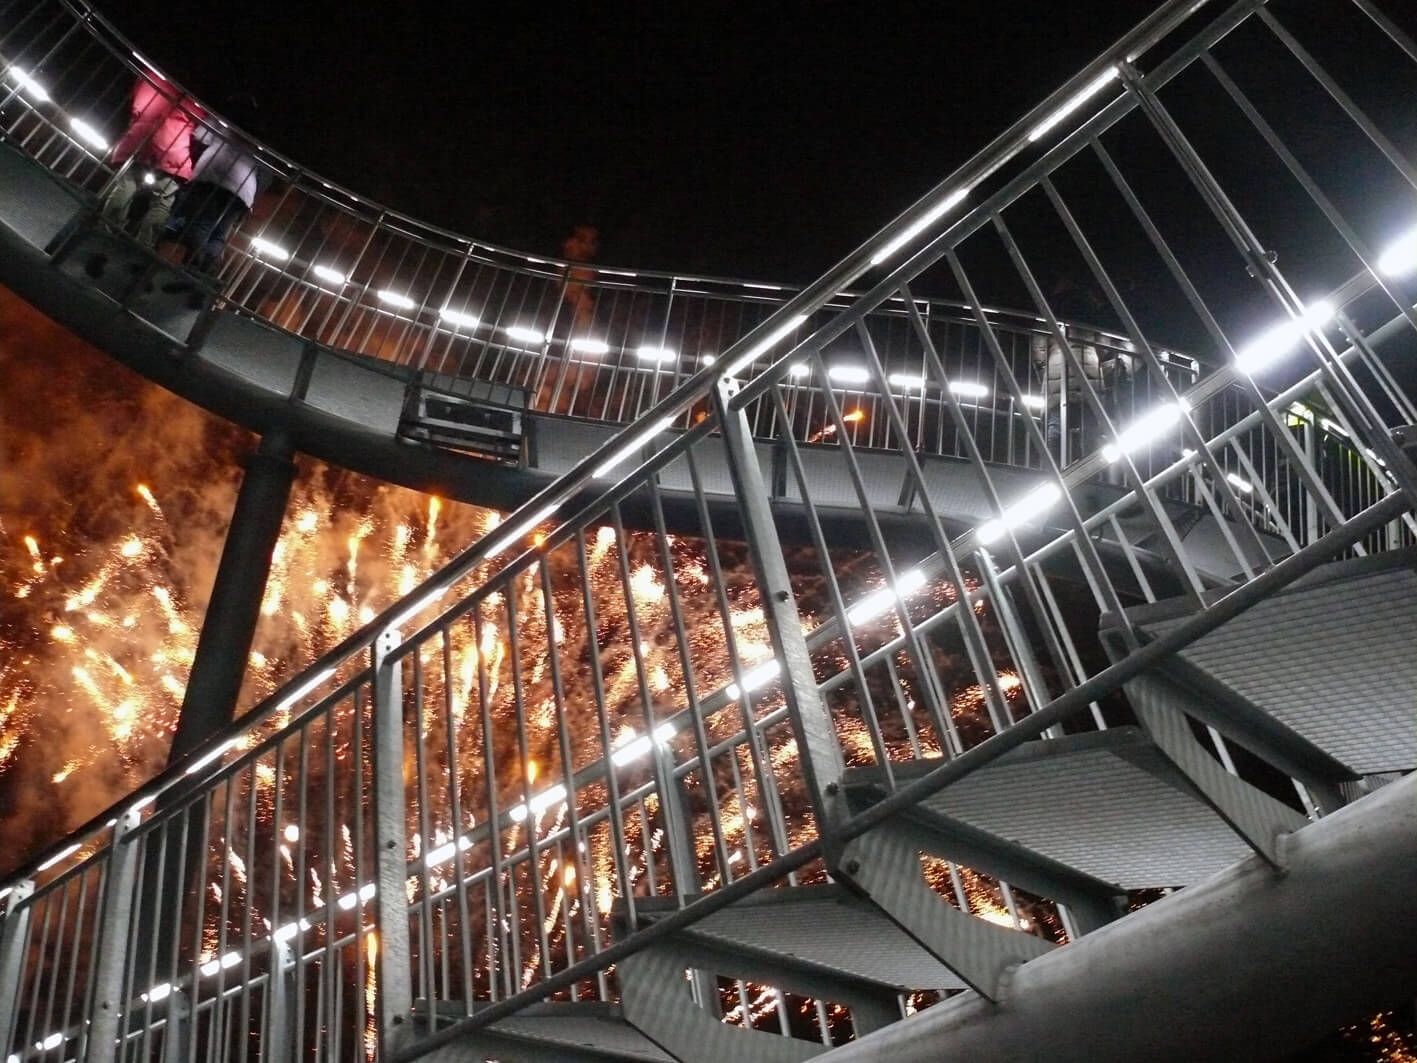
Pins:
x: 112, y: 941
x: 230, y: 622
x: 1247, y: 965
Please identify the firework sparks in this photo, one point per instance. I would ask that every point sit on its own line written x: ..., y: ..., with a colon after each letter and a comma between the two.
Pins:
x: 89, y: 651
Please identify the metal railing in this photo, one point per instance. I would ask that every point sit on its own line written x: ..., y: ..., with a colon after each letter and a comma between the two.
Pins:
x: 584, y: 341
x: 457, y: 812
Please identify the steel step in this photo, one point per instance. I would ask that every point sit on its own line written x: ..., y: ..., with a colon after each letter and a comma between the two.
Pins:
x: 821, y: 930
x: 658, y: 1000
x: 1356, y: 700
x: 592, y: 1032
x: 1091, y: 802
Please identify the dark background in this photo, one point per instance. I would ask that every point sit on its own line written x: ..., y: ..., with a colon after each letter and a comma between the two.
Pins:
x: 762, y: 141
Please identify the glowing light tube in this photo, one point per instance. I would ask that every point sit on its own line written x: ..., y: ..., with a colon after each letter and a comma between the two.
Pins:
x: 767, y: 344
x: 754, y: 678
x: 586, y: 345
x: 520, y: 530
x: 1148, y: 428
x: 269, y: 249
x: 395, y: 299
x: 1091, y: 89
x: 636, y: 748
x: 88, y: 134
x: 877, y: 602
x: 1282, y: 338
x: 31, y: 88
x: 522, y: 334
x: 632, y: 445
x: 1032, y: 505
x: 849, y: 374
x: 1399, y: 258
x: 931, y: 216
x: 458, y: 319
x: 968, y: 389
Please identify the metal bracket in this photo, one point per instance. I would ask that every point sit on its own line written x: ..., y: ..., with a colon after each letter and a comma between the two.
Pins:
x: 657, y: 1002
x: 1258, y: 818
x: 884, y: 865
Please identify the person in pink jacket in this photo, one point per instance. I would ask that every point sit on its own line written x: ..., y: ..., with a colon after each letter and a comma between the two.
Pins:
x: 159, y: 143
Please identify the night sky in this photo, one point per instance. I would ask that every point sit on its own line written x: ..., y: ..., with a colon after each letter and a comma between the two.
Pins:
x: 762, y: 141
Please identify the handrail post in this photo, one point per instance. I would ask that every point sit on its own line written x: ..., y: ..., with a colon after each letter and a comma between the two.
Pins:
x: 107, y: 1005
x: 281, y: 1034
x: 14, y: 933
x: 392, y: 963
x: 822, y: 761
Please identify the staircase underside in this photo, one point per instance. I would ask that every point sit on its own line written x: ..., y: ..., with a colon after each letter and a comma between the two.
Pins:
x: 1356, y: 701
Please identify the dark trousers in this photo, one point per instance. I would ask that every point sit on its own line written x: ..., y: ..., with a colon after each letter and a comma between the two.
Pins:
x: 1083, y: 432
x: 203, y: 219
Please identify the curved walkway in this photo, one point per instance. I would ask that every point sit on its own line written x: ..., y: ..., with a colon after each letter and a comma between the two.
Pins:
x: 362, y: 413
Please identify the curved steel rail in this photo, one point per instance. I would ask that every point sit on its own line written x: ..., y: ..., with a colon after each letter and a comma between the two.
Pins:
x: 585, y: 341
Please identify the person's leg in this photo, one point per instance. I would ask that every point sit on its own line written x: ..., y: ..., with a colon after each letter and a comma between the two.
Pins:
x: 223, y: 225
x: 1053, y: 431
x: 120, y: 198
x: 164, y: 194
x: 196, y: 213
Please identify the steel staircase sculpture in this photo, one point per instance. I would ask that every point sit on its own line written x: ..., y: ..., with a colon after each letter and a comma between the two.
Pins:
x: 750, y: 734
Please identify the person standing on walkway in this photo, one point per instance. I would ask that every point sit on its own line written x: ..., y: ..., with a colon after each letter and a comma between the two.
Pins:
x: 158, y: 142
x: 1072, y: 423
x: 225, y: 181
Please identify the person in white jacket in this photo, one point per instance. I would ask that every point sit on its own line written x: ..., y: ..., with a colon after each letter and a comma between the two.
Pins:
x: 225, y: 181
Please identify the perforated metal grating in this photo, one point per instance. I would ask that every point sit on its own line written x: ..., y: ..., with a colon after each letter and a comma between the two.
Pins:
x: 613, y: 1037
x: 1334, y: 661
x: 1095, y: 810
x: 833, y: 930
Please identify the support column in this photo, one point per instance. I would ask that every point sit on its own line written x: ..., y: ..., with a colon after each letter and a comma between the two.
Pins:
x: 230, y: 623
x: 822, y: 760
x: 392, y: 963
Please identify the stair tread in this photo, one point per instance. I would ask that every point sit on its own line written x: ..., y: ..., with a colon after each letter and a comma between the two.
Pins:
x: 586, y: 1028
x: 826, y: 928
x: 1095, y: 802
x: 1354, y: 700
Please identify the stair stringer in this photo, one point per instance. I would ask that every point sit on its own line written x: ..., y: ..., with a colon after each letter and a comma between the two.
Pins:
x: 884, y: 865
x: 871, y: 1008
x: 1255, y: 816
x: 1090, y: 903
x: 656, y: 1000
